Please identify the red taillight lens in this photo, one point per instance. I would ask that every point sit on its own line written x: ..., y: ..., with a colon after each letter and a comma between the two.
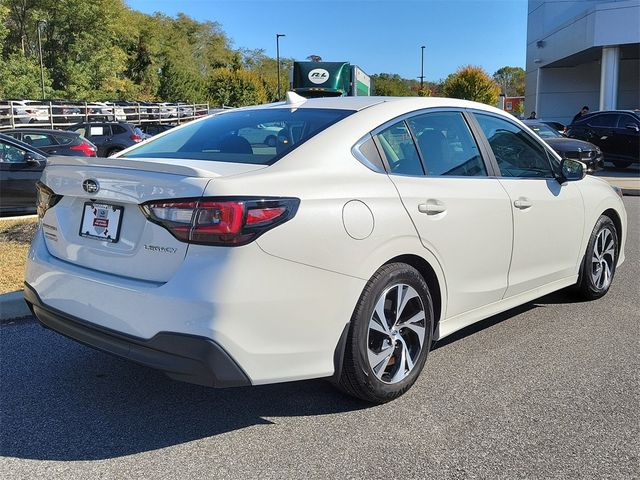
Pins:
x: 227, y: 221
x: 86, y: 148
x: 136, y: 138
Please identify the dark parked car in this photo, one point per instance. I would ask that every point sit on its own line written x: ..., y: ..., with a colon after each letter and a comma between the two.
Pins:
x: 109, y: 137
x: 55, y: 142
x: 616, y: 132
x: 586, y: 152
x: 555, y: 125
x: 21, y: 166
x: 152, y: 129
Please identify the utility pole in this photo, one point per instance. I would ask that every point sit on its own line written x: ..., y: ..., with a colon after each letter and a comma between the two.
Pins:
x: 278, y: 35
x: 422, y: 67
x: 41, y: 23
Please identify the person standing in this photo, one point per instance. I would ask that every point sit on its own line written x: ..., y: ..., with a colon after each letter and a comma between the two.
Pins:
x: 532, y: 116
x: 583, y: 111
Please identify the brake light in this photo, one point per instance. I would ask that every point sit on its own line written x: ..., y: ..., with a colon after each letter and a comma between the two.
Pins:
x: 46, y: 199
x: 86, y: 148
x: 136, y: 138
x: 220, y: 221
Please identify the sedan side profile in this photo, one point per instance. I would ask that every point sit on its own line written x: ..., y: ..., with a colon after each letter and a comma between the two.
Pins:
x: 373, y: 227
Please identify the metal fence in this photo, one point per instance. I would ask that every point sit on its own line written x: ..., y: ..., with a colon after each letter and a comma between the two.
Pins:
x: 56, y: 114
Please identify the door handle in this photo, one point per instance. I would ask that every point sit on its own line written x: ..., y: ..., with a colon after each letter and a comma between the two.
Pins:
x: 522, y: 203
x: 432, y: 207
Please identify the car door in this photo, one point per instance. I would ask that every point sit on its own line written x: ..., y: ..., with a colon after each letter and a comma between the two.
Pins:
x: 462, y: 214
x: 603, y: 128
x: 628, y: 137
x: 19, y: 172
x: 548, y: 218
x: 100, y: 136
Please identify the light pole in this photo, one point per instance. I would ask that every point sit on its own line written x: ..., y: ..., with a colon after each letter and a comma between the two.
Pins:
x: 41, y: 23
x: 278, y: 35
x: 422, y: 67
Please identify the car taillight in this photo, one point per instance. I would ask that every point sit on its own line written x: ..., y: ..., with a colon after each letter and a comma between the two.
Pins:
x: 136, y: 138
x: 86, y: 148
x: 45, y: 199
x: 220, y: 221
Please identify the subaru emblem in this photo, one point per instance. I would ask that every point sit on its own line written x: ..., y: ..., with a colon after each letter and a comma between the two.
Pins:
x: 90, y: 186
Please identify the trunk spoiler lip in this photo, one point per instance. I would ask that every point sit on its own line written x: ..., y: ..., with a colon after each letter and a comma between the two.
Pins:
x: 186, y: 168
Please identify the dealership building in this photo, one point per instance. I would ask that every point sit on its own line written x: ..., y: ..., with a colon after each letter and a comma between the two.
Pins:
x: 584, y: 52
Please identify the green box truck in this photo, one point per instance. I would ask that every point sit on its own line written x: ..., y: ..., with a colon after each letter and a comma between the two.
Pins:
x: 329, y: 79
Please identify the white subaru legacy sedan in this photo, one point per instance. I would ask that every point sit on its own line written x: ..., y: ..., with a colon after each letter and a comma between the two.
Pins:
x: 369, y: 229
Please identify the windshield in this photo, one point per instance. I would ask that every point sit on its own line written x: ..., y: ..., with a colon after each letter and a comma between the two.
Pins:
x: 260, y: 136
x: 544, y: 131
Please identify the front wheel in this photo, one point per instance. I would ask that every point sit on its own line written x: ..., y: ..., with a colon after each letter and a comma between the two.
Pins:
x: 601, y: 257
x: 390, y: 335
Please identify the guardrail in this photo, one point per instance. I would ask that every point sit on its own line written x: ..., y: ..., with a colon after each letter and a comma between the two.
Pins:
x: 26, y: 113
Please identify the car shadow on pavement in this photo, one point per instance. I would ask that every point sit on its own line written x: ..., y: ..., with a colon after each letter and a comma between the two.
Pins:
x: 63, y: 401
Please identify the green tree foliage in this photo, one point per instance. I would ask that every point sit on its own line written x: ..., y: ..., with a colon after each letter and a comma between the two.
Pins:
x: 235, y: 88
x: 266, y: 69
x: 472, y: 83
x: 511, y: 81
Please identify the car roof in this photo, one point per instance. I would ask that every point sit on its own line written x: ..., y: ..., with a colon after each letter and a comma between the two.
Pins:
x: 360, y: 103
x: 42, y: 130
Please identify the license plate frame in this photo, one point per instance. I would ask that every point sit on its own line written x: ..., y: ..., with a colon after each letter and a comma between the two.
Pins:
x: 97, y: 216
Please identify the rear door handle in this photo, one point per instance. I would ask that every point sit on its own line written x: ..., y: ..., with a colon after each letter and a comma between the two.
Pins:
x: 432, y: 207
x: 522, y: 203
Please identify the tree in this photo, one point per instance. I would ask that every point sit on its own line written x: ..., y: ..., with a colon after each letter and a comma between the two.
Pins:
x: 511, y: 81
x: 472, y: 83
x: 391, y: 85
x: 314, y: 58
x: 235, y: 88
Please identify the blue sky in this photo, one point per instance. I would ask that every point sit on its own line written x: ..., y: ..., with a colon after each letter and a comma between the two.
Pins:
x: 378, y: 35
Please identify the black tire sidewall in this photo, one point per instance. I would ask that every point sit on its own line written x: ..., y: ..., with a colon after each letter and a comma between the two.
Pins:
x: 392, y: 275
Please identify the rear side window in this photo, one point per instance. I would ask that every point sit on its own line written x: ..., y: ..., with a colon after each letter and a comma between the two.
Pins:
x: 399, y: 150
x: 117, y: 129
x: 517, y: 153
x: 259, y: 136
x: 64, y: 139
x: 625, y: 120
x: 446, y: 145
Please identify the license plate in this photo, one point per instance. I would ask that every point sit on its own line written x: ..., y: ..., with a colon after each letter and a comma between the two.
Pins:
x: 101, y: 221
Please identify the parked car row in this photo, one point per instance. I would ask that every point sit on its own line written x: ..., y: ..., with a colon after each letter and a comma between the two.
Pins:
x: 63, y: 113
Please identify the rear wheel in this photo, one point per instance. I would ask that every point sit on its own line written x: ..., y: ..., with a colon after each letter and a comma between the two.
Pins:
x: 599, y: 264
x: 390, y: 335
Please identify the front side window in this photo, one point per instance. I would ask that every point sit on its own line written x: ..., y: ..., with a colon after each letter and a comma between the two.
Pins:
x: 625, y: 120
x: 11, y: 154
x: 399, y: 150
x: 259, y: 136
x: 604, y: 120
x: 516, y: 152
x: 446, y: 145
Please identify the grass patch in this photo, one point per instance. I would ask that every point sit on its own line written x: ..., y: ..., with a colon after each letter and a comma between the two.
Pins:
x: 15, y: 238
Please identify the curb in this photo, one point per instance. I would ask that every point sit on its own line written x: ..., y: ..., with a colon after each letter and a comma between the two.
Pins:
x: 12, y: 305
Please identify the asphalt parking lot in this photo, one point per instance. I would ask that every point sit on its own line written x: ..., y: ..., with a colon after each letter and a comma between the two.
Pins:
x: 547, y: 390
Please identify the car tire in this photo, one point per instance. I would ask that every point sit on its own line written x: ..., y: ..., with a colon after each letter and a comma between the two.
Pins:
x: 114, y: 150
x: 270, y: 141
x: 599, y: 262
x: 621, y: 163
x: 382, y: 362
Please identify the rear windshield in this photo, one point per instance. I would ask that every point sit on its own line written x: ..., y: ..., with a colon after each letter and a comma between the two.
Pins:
x: 243, y: 136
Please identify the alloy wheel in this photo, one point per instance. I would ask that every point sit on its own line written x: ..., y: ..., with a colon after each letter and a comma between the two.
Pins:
x: 602, y: 261
x: 396, y: 333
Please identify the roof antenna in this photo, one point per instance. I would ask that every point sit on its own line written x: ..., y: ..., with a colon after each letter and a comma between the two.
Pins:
x: 294, y: 99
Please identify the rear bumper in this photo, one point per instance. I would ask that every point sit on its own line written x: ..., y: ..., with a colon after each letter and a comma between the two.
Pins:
x: 188, y: 358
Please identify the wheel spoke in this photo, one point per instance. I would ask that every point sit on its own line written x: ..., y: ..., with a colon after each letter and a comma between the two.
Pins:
x: 379, y: 361
x: 419, y: 331
x: 400, y: 372
x: 404, y: 299
x: 382, y: 318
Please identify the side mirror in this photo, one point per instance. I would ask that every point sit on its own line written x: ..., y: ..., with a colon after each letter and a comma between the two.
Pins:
x: 632, y: 126
x: 32, y: 160
x: 572, y: 170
